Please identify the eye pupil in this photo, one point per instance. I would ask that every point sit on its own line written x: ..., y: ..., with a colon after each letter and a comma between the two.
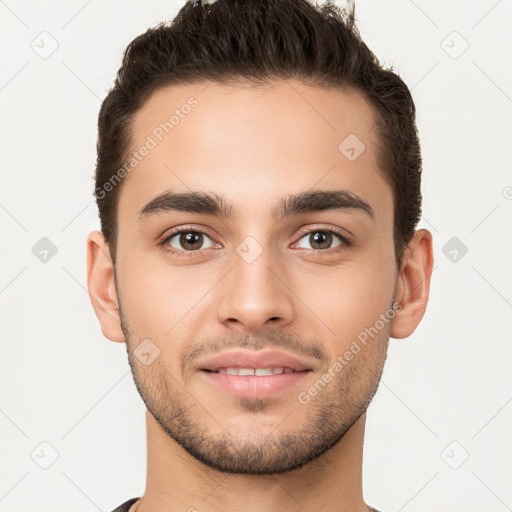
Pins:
x: 191, y: 237
x: 322, y: 238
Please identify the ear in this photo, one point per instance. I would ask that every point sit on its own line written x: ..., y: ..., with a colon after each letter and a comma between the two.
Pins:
x: 413, y: 284
x: 101, y: 285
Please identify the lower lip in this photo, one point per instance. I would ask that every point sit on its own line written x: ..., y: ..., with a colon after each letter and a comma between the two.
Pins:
x: 254, y: 386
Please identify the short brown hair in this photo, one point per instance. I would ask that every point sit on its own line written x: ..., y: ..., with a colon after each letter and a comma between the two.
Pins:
x: 257, y: 41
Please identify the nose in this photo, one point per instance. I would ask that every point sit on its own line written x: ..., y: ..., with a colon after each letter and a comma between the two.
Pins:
x: 254, y: 295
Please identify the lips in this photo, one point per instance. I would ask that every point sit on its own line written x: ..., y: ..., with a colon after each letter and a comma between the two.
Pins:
x: 268, y: 362
x: 250, y: 374
x: 259, y: 372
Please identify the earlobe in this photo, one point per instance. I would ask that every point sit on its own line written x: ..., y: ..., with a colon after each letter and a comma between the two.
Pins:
x: 101, y: 286
x: 413, y: 285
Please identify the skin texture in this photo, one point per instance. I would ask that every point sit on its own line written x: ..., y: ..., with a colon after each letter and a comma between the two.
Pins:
x: 207, y: 448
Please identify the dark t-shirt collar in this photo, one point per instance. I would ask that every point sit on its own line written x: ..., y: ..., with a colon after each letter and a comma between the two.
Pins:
x: 126, y: 505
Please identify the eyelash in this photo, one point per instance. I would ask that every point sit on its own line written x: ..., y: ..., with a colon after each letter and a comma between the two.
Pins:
x: 346, y: 241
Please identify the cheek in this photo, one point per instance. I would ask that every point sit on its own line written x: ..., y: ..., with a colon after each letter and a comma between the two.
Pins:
x: 162, y: 301
x: 149, y: 296
x: 349, y: 302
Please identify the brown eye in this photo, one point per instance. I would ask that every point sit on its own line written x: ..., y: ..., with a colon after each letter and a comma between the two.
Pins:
x: 321, y: 239
x: 186, y: 240
x: 192, y: 241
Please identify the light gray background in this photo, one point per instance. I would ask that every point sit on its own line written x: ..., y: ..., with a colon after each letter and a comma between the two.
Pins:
x: 445, y: 391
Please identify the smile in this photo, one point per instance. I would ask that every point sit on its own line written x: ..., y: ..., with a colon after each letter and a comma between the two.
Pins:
x: 253, y: 371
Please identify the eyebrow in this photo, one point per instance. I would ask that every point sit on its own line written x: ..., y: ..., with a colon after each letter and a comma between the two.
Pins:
x: 213, y: 204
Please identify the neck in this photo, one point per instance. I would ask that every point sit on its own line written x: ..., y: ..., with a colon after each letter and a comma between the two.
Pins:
x: 176, y: 481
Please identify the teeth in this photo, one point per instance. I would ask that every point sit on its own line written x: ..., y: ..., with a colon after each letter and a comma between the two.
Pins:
x: 252, y: 371
x: 265, y: 371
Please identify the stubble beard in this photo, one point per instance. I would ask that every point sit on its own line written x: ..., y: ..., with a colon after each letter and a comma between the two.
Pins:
x: 330, y: 416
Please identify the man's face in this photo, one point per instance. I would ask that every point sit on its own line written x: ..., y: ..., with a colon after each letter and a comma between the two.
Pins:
x: 256, y: 284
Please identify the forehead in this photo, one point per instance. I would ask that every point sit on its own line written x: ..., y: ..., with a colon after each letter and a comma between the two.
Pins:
x: 252, y: 145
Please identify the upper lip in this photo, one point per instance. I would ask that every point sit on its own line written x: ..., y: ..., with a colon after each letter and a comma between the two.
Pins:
x: 260, y: 359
